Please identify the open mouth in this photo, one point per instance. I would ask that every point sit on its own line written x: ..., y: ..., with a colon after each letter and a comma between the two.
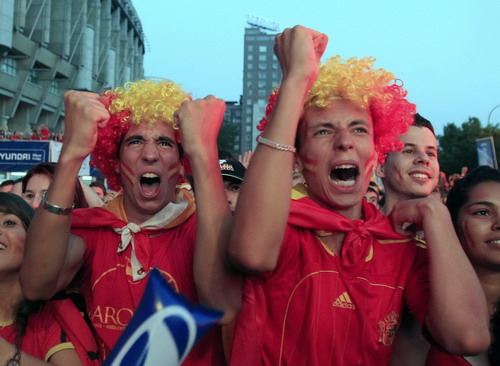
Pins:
x: 344, y: 175
x: 150, y: 184
x: 495, y: 242
x: 2, y: 247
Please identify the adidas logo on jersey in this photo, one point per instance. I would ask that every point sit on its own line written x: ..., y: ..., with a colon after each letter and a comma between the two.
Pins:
x: 344, y: 302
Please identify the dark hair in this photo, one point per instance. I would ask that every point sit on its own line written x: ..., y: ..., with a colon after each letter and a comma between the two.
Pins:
x: 49, y: 170
x: 423, y: 122
x: 15, y: 205
x: 459, y: 193
x: 6, y: 183
x: 100, y: 185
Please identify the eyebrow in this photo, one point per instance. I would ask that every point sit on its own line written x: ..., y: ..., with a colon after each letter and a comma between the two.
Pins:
x: 481, y: 203
x: 331, y: 125
x: 157, y: 139
x: 430, y: 147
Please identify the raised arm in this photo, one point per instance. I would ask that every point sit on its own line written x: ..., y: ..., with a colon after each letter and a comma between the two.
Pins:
x: 264, y: 200
x: 458, y: 316
x: 217, y: 285
x: 52, y: 256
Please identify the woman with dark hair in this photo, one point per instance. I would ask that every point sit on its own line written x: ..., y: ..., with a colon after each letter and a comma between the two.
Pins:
x: 474, y: 205
x: 38, y: 180
x: 29, y: 331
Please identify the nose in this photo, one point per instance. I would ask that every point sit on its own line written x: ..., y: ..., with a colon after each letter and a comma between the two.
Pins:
x: 422, y: 158
x: 36, y: 202
x: 343, y: 140
x: 149, y: 151
x: 496, y: 224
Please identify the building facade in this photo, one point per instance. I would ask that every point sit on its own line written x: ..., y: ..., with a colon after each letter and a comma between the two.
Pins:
x: 50, y: 46
x: 261, y: 75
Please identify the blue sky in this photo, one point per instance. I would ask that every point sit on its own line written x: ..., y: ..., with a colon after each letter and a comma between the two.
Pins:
x: 446, y: 52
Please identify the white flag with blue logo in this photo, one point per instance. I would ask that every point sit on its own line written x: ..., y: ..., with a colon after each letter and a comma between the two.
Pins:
x: 163, y: 329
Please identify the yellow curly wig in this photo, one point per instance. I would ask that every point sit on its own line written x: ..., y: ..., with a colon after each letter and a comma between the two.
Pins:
x: 147, y: 101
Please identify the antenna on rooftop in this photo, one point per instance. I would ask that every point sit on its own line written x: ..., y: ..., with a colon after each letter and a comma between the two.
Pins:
x: 263, y: 23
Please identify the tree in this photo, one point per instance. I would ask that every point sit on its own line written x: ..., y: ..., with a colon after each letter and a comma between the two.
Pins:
x: 227, y: 137
x: 457, y: 145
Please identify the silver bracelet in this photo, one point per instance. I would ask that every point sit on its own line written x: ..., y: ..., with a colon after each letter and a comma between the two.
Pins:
x: 55, y: 209
x: 275, y: 145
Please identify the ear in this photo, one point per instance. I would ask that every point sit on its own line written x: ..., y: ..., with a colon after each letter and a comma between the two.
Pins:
x: 379, y: 171
x: 297, y: 164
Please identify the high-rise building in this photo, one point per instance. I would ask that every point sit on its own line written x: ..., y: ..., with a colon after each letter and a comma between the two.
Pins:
x: 261, y: 75
x: 233, y: 115
x: 47, y: 47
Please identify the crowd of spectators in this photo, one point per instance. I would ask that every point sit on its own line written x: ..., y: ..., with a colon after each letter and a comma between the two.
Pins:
x: 40, y: 133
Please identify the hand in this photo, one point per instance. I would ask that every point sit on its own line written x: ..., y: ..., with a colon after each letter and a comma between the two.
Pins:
x: 245, y: 159
x: 299, y: 52
x: 412, y: 215
x: 199, y: 122
x: 84, y: 113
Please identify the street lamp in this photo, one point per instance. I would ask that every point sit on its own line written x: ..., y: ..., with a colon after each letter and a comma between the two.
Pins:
x: 489, y: 115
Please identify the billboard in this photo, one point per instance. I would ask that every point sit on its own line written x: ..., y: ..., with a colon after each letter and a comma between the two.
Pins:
x: 486, y: 154
x: 19, y: 156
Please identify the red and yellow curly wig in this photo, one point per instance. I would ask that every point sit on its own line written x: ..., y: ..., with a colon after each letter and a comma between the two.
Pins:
x: 375, y: 89
x: 138, y: 102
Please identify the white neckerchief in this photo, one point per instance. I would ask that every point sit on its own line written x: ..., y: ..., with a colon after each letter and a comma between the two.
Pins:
x: 161, y: 219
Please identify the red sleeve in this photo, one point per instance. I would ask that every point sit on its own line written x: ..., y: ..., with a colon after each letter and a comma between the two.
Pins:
x: 417, y: 287
x: 50, y: 336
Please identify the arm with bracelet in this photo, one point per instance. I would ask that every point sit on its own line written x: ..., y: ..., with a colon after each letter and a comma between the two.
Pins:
x: 42, y: 275
x: 264, y: 200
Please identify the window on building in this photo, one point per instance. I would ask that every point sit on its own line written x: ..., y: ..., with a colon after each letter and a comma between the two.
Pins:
x: 250, y: 92
x: 248, y: 128
x: 249, y: 110
x: 9, y: 66
x: 250, y: 57
x: 261, y: 101
x: 249, y: 66
x: 262, y: 84
x: 275, y: 75
x: 250, y: 48
x: 262, y: 66
x: 262, y: 57
x: 249, y: 84
x: 249, y: 119
x: 250, y: 75
x: 275, y: 65
x: 33, y: 77
x: 262, y: 93
x: 54, y: 87
x: 263, y: 48
x: 262, y: 75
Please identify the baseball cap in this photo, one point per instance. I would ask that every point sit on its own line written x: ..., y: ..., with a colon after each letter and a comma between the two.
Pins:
x: 232, y: 168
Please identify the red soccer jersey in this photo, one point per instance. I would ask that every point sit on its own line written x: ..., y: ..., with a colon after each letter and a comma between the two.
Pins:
x: 312, y: 311
x: 112, y: 295
x: 44, y: 336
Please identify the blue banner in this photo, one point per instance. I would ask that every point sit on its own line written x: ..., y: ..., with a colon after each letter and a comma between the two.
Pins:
x: 19, y: 156
x: 163, y: 329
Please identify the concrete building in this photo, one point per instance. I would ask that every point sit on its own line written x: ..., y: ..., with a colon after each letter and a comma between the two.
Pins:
x: 261, y: 75
x: 49, y: 46
x: 233, y: 115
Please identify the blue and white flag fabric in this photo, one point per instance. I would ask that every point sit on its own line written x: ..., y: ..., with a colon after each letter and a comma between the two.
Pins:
x: 163, y: 329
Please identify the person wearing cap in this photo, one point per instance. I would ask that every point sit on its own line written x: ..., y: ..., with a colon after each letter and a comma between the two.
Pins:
x: 233, y: 173
x: 372, y: 194
x: 327, y: 275
x: 134, y: 134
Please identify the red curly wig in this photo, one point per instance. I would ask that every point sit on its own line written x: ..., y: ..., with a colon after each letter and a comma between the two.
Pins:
x: 138, y: 102
x: 375, y: 89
